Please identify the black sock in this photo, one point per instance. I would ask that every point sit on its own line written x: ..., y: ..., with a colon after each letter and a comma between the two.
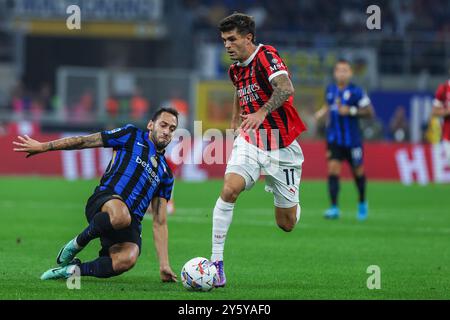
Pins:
x: 100, y: 225
x: 361, y: 185
x: 99, y: 268
x: 333, y: 188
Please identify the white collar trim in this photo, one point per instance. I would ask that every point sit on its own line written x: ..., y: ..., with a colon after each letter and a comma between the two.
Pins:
x: 249, y: 59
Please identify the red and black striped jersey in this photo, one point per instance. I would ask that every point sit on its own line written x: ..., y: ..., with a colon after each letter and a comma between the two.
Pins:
x: 252, y: 81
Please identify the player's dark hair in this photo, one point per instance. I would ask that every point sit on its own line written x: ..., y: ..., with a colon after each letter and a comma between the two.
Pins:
x: 243, y: 23
x: 343, y: 61
x: 158, y: 113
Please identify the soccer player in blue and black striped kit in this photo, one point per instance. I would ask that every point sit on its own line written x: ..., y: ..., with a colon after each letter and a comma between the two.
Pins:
x: 345, y: 104
x: 137, y: 176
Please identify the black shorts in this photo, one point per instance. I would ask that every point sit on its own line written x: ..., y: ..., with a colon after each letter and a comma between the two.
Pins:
x: 132, y: 233
x: 354, y: 155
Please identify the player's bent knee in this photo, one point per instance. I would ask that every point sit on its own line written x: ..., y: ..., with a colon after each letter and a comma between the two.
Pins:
x: 334, y: 167
x: 124, y: 263
x: 229, y: 194
x: 118, y: 212
x: 286, y: 218
x: 358, y: 171
x: 121, y: 219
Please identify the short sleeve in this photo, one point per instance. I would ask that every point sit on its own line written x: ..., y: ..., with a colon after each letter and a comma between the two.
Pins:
x: 117, y: 137
x: 166, y: 187
x: 439, y: 97
x: 271, y: 64
x: 363, y: 99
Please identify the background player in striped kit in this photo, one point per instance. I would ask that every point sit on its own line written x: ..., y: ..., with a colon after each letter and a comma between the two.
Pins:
x: 267, y: 135
x: 137, y: 176
x: 345, y: 104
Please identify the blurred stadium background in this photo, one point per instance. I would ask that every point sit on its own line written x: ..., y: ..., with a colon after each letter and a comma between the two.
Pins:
x: 133, y: 56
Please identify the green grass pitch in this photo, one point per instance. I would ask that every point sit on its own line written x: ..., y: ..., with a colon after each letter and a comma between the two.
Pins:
x: 407, y: 235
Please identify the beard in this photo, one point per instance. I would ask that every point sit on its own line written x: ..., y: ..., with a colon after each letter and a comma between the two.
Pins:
x: 159, y: 144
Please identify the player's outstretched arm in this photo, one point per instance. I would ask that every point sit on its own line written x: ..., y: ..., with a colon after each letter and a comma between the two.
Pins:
x: 282, y: 90
x: 33, y: 147
x: 160, y: 238
x: 321, y: 113
x: 366, y: 112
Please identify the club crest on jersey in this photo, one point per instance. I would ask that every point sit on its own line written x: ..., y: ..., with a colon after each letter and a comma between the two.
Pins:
x: 346, y: 95
x: 154, y: 162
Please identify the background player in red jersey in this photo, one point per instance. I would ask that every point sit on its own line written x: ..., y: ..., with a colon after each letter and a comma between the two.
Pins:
x: 266, y: 142
x: 441, y: 108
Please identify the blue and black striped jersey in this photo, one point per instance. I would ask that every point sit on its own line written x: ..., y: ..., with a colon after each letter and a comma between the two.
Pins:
x: 136, y: 172
x: 344, y: 130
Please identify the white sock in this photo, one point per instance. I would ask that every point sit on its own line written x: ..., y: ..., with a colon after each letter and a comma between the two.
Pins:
x: 222, y: 216
x: 297, y: 215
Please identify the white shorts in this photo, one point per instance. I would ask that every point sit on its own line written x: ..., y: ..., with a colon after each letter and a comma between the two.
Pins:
x: 282, y: 168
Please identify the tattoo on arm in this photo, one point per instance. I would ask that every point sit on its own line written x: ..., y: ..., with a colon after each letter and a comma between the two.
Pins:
x: 282, y: 90
x: 75, y: 143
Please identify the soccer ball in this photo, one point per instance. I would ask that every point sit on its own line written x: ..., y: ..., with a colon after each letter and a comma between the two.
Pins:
x: 198, y: 274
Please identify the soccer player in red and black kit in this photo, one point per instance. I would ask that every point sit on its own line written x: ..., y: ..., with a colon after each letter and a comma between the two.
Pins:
x: 267, y: 125
x: 441, y: 108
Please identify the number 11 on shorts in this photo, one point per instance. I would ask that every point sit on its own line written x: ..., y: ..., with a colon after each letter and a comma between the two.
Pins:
x: 286, y: 171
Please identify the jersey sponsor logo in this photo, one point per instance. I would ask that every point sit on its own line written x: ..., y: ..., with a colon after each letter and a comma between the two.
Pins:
x: 248, y: 94
x: 274, y: 60
x: 277, y: 66
x: 148, y: 168
x: 248, y: 89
